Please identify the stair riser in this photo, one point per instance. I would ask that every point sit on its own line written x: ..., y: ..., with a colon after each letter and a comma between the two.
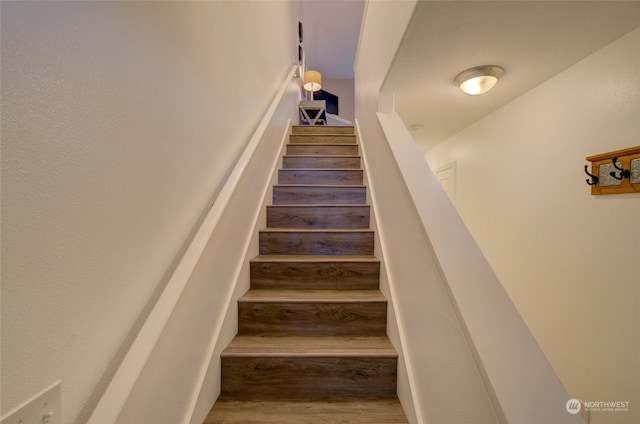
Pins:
x: 321, y: 129
x: 309, y: 318
x: 321, y: 162
x: 324, y: 176
x: 322, y: 149
x: 300, y: 243
x: 288, y: 195
x: 343, y: 409
x: 313, y: 275
x: 266, y: 377
x: 322, y: 139
x: 318, y: 216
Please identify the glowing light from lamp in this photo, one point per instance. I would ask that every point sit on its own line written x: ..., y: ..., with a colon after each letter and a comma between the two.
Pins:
x: 478, y: 80
x: 312, y: 81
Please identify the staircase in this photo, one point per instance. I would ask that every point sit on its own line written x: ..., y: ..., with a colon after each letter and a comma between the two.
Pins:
x: 311, y: 344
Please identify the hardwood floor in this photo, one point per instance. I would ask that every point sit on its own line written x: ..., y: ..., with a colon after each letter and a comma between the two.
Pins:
x: 311, y: 344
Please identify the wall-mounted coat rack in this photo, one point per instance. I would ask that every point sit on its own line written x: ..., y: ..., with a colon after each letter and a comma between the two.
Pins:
x: 614, y: 172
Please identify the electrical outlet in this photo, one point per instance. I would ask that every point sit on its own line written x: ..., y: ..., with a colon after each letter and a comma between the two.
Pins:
x: 43, y: 408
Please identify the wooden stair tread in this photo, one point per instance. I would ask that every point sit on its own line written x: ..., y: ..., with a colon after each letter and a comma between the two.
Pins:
x: 305, y: 193
x: 316, y: 258
x: 320, y: 205
x: 312, y: 241
x: 324, y: 156
x: 310, y: 346
x: 316, y: 230
x: 318, y: 148
x: 335, y: 134
x: 319, y: 216
x: 322, y: 169
x: 321, y: 161
x: 338, y: 272
x: 310, y: 295
x: 344, y: 409
x: 323, y: 129
x: 324, y: 161
x: 329, y: 186
x: 334, y: 176
x: 315, y: 138
x: 320, y: 144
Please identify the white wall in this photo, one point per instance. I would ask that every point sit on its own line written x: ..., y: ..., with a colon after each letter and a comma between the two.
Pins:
x: 121, y: 122
x: 345, y: 90
x: 182, y: 376
x: 441, y: 371
x: 373, y: 57
x: 569, y: 261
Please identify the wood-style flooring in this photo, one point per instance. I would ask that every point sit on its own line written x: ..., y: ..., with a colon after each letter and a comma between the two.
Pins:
x: 312, y: 344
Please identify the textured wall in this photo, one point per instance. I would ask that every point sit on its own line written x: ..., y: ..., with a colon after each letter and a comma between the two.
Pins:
x: 120, y: 123
x: 570, y: 261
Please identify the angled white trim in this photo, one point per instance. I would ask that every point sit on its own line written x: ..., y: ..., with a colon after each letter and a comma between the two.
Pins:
x: 125, y: 378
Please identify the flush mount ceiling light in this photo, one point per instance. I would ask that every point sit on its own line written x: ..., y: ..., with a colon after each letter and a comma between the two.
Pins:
x: 478, y: 80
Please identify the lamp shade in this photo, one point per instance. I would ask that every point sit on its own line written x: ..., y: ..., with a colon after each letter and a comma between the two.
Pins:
x: 478, y: 80
x: 312, y: 81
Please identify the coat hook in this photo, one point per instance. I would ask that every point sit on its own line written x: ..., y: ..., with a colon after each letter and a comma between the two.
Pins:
x: 624, y: 173
x: 594, y: 178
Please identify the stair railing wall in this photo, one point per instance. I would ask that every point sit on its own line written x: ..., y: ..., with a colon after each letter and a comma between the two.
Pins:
x: 503, y: 374
x: 443, y: 382
x: 405, y: 388
x: 170, y: 374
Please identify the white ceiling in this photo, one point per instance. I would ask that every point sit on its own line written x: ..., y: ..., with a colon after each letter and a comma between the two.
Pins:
x: 331, y: 32
x: 532, y: 40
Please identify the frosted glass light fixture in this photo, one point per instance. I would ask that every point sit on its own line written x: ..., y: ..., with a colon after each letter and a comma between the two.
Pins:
x: 312, y: 81
x: 478, y: 80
